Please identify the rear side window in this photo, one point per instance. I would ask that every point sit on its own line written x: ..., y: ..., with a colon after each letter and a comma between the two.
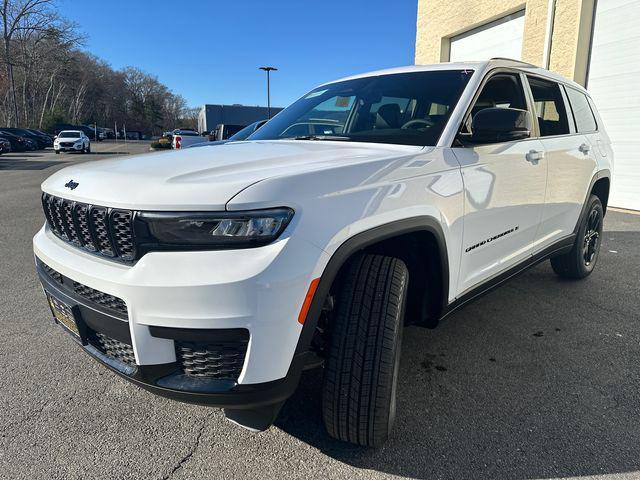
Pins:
x: 549, y: 106
x: 585, y: 121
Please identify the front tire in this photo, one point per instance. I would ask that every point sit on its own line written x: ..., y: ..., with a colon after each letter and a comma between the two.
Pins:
x: 359, y: 392
x: 580, y: 261
x: 88, y: 148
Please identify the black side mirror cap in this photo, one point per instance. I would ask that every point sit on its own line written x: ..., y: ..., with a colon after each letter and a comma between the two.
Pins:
x: 495, y: 125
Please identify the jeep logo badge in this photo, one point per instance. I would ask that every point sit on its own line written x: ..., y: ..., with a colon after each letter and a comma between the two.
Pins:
x: 71, y: 184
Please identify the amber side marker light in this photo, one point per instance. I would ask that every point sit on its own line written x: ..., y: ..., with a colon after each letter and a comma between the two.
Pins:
x: 307, y: 301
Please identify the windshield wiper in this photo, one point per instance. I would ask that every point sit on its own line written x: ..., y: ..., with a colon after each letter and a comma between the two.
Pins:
x: 321, y: 137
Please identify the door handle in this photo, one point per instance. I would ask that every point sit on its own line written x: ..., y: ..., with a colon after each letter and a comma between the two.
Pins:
x: 584, y: 148
x: 534, y: 156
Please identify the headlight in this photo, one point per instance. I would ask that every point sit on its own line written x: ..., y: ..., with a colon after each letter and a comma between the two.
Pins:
x: 202, y: 230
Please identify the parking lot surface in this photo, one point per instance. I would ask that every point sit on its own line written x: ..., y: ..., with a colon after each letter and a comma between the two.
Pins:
x: 539, y: 379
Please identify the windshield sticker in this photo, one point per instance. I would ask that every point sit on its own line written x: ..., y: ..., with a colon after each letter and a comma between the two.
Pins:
x: 343, y: 102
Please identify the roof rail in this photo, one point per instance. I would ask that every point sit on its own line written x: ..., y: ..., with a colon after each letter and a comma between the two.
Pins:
x: 520, y: 62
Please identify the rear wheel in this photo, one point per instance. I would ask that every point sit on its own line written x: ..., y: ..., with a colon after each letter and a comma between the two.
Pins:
x: 359, y: 392
x: 580, y: 261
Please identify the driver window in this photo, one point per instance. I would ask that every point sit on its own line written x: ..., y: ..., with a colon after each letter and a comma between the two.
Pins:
x: 503, y: 90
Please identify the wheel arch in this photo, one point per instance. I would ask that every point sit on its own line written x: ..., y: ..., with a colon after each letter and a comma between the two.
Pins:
x: 599, y: 186
x: 601, y: 189
x: 380, y: 239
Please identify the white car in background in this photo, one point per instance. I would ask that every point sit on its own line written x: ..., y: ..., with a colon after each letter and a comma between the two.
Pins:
x: 72, y: 141
x: 185, y: 138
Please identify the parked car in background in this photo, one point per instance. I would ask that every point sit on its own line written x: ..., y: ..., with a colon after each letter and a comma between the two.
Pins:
x: 247, y: 131
x: 18, y: 143
x: 5, y: 145
x: 184, y: 137
x: 224, y: 131
x: 88, y: 131
x: 97, y: 133
x: 72, y: 141
x: 238, y: 137
x: 45, y: 137
x: 38, y: 139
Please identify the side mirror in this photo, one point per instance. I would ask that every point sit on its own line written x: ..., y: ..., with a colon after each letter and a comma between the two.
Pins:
x: 495, y: 125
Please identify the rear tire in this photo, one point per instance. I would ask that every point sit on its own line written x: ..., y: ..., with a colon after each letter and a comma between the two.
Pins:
x: 359, y: 392
x: 580, y: 261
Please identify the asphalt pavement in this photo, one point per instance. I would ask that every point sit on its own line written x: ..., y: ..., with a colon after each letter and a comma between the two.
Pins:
x: 538, y: 379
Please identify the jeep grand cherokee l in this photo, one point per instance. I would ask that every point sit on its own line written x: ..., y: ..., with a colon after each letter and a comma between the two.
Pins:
x: 215, y: 275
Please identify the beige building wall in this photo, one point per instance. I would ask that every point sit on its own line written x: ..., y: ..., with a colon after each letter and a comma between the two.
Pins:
x: 439, y: 20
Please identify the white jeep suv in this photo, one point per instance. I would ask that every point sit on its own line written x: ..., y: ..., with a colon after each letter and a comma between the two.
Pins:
x: 383, y: 199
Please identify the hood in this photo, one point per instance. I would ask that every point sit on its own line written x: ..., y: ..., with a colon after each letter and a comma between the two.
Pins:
x: 205, y: 178
x: 67, y: 139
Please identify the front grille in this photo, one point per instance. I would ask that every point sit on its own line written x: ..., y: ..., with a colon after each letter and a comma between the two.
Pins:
x: 105, y: 231
x: 101, y: 298
x: 66, y: 144
x: 90, y: 294
x: 113, y: 348
x: 219, y: 360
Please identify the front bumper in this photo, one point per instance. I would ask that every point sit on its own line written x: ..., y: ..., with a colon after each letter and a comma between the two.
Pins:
x: 167, y: 379
x: 181, y: 296
x: 75, y: 148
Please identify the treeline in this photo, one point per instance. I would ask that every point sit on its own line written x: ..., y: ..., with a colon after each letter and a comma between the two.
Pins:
x: 48, y: 79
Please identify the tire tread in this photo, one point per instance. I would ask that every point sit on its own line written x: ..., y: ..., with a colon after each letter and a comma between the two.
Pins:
x: 360, y: 367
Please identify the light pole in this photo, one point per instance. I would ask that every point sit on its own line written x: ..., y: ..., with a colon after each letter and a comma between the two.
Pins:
x: 268, y: 70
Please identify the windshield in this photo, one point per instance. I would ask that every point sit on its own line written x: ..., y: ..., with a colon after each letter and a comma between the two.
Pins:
x: 69, y: 135
x: 405, y: 108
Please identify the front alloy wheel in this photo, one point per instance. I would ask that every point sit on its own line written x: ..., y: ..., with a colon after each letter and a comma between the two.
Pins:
x: 592, y: 237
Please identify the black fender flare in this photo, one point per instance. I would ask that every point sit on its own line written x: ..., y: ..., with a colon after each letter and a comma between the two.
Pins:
x: 359, y: 242
x: 599, y: 175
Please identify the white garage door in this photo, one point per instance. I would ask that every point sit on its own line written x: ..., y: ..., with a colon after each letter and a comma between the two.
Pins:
x: 614, y: 84
x: 502, y: 38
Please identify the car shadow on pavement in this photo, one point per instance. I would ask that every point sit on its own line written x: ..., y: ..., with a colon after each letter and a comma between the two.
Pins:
x: 536, y: 380
x: 21, y: 164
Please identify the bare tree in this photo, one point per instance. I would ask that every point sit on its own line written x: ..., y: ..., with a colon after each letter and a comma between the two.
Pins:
x: 25, y: 16
x: 50, y: 81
